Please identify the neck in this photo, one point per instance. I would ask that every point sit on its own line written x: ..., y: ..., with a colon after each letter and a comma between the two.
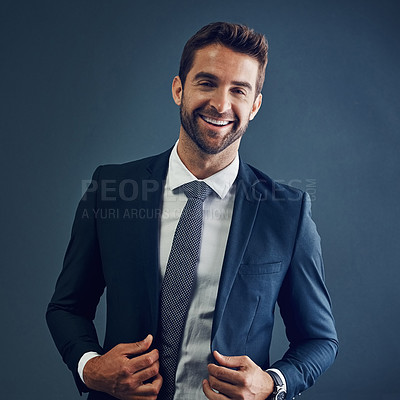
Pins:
x: 201, y: 164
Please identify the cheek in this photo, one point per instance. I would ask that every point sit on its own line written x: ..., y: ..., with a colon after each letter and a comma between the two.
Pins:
x: 190, y: 104
x: 242, y: 112
x: 199, y: 98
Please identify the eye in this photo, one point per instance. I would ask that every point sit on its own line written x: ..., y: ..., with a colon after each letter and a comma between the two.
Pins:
x: 239, y: 91
x: 206, y: 84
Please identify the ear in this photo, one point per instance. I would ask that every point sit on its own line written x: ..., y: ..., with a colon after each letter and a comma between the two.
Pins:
x: 256, y: 106
x: 177, y: 90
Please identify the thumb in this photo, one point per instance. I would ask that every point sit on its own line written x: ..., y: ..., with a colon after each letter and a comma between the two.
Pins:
x: 227, y: 361
x: 138, y: 347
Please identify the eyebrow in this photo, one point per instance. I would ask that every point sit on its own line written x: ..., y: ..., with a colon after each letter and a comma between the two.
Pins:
x: 207, y: 75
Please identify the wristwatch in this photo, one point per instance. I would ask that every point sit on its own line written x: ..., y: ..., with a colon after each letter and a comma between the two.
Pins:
x: 279, y: 392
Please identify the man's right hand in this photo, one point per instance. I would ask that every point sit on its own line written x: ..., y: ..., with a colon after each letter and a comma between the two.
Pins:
x: 123, y: 371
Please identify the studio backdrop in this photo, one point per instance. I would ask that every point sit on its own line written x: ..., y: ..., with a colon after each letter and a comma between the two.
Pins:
x: 85, y: 83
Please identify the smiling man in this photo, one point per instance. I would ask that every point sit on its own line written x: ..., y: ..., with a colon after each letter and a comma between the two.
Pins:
x: 194, y: 275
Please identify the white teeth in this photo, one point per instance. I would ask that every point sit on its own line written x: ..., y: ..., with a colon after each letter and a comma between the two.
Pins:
x: 215, y: 122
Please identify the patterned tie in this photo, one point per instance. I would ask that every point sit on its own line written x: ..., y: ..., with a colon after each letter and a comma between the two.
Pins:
x: 178, y: 283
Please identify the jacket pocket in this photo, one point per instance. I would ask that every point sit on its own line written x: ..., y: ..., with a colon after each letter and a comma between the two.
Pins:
x: 260, y: 269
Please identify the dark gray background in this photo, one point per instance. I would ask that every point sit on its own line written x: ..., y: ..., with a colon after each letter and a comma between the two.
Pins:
x: 88, y: 82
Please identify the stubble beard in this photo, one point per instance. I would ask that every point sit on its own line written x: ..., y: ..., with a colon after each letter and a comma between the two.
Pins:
x: 199, y: 134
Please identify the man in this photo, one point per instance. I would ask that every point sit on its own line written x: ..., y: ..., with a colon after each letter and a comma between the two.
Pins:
x: 256, y: 245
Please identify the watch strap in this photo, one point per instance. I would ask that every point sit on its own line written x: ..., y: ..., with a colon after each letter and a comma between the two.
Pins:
x: 279, y: 392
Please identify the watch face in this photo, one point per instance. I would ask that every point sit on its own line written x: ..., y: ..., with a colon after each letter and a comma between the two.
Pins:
x: 281, y: 396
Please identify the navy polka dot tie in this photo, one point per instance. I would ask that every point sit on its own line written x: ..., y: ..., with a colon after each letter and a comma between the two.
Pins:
x: 178, y: 283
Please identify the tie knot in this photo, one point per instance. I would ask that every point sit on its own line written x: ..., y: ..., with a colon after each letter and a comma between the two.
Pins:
x: 196, y: 190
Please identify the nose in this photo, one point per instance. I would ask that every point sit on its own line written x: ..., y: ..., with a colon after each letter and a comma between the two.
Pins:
x: 220, y: 100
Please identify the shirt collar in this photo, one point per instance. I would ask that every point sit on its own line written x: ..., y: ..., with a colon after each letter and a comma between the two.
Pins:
x: 220, y: 182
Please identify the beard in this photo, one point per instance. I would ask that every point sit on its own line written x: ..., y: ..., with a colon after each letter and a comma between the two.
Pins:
x: 200, y: 134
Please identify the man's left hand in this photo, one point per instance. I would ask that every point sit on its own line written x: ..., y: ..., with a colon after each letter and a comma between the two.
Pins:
x: 236, y: 377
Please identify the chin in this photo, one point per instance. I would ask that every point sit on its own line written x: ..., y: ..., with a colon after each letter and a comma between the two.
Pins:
x: 211, y: 147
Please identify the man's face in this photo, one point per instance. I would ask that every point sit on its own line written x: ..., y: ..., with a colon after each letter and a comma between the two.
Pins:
x: 218, y: 99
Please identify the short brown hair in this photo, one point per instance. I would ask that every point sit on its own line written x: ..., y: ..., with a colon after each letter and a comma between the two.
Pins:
x: 237, y: 37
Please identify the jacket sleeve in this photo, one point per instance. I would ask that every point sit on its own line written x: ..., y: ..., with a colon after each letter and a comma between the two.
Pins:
x: 79, y: 287
x: 305, y: 307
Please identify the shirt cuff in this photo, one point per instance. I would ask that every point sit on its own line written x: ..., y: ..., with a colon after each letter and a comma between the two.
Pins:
x: 84, y: 359
x: 280, y: 376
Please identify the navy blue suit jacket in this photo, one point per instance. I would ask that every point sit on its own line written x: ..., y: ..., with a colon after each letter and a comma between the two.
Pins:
x: 273, y: 255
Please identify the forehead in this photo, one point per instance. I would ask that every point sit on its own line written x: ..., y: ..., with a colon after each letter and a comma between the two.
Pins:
x: 224, y: 63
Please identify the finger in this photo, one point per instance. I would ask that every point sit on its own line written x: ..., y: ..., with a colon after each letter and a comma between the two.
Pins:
x: 209, y: 392
x: 134, y: 390
x: 223, y: 373
x: 158, y: 381
x: 225, y: 388
x: 230, y: 361
x: 143, y: 361
x: 140, y: 397
x: 147, y: 373
x: 151, y: 388
x: 145, y: 397
x: 147, y: 390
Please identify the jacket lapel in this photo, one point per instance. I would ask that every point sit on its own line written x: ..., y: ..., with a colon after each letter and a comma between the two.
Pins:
x: 247, y: 201
x: 152, y: 202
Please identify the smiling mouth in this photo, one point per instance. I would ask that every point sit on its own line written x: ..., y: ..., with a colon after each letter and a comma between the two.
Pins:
x: 215, y: 122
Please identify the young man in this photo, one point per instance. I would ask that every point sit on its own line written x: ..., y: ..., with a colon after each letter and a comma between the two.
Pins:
x: 200, y: 289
